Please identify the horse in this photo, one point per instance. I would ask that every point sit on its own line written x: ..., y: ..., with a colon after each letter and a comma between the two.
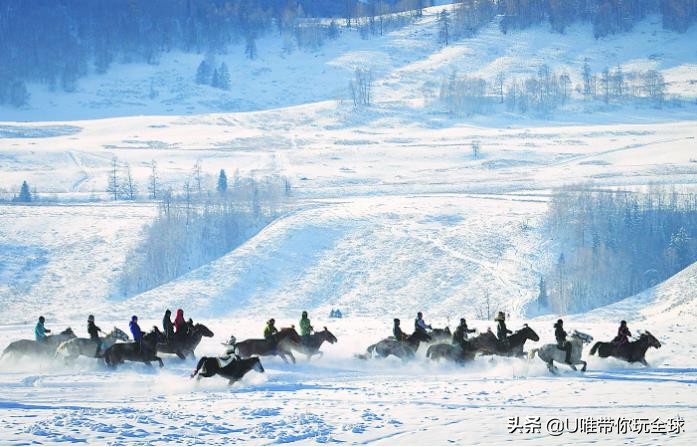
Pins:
x: 76, y: 347
x: 184, y: 346
x: 145, y: 351
x: 45, y: 347
x: 263, y: 347
x: 234, y: 370
x: 402, y: 349
x: 514, y: 346
x: 440, y: 335
x: 312, y: 344
x: 453, y: 352
x: 551, y: 352
x: 631, y: 352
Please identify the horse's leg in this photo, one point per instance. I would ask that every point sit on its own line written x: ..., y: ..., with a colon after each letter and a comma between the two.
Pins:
x: 320, y: 353
x: 180, y: 355
x: 282, y: 355
x: 159, y: 360
x: 644, y: 362
x: 292, y: 357
x: 585, y: 364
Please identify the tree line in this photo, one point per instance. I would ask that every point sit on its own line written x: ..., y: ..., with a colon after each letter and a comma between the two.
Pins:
x: 614, y: 244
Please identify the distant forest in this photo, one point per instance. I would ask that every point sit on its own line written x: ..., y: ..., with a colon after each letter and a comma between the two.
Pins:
x: 56, y: 42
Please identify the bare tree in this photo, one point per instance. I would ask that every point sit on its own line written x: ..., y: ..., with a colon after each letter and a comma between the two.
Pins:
x: 153, y: 181
x: 130, y: 188
x: 113, y: 187
x: 361, y: 88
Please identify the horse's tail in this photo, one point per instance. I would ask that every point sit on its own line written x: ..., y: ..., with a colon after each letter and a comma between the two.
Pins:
x: 594, y: 349
x: 533, y: 353
x: 371, y: 350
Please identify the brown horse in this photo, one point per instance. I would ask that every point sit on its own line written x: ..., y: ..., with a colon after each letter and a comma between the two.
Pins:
x: 453, y: 352
x: 46, y: 347
x: 634, y: 351
x: 233, y: 370
x: 313, y: 344
x: 263, y: 347
x: 404, y: 350
x: 145, y: 351
x: 184, y: 347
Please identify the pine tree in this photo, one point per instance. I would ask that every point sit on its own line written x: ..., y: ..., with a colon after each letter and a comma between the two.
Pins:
x: 153, y: 181
x: 113, y: 187
x: 250, y: 49
x: 215, y: 79
x: 222, y: 182
x: 203, y: 73
x: 542, y: 299
x: 587, y: 75
x: 223, y: 77
x: 444, y: 27
x: 24, y: 194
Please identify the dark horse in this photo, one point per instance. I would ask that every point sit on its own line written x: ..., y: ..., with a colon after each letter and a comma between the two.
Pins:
x: 313, y: 343
x: 144, y: 352
x: 233, y: 371
x: 185, y: 345
x: 631, y: 352
x: 453, y: 352
x: 440, y: 335
x: 263, y: 347
x: 402, y: 349
x: 485, y: 344
x: 46, y: 347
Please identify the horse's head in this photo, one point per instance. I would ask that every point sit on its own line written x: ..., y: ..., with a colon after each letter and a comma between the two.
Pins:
x: 290, y: 333
x: 585, y: 338
x: 118, y: 334
x: 653, y: 341
x: 203, y: 330
x: 256, y: 365
x: 529, y: 333
x: 69, y: 333
x: 329, y: 336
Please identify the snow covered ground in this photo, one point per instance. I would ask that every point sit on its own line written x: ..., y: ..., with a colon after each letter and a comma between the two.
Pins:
x: 391, y: 214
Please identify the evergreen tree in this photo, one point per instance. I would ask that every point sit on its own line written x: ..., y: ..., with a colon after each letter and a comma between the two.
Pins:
x: 444, y: 27
x: 203, y: 73
x: 223, y: 77
x: 222, y: 182
x: 24, y: 194
x: 113, y: 186
x: 542, y: 299
x: 215, y: 79
x: 250, y: 49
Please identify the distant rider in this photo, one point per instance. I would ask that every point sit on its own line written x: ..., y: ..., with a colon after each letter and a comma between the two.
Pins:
x: 562, y: 342
x: 460, y: 334
x: 40, y: 331
x: 623, y: 334
x: 180, y: 326
x: 136, y: 332
x: 501, y: 330
x: 420, y: 325
x: 305, y: 328
x: 271, y: 333
x: 94, y: 331
x: 167, y: 326
x: 397, y: 331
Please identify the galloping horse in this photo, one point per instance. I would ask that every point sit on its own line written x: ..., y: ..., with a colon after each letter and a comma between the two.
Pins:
x: 76, y: 347
x: 514, y: 346
x: 631, y: 352
x: 233, y: 371
x: 184, y: 346
x: 453, y: 352
x: 551, y: 352
x: 263, y: 347
x: 46, y: 347
x: 311, y: 347
x: 440, y: 335
x: 145, y: 351
x: 402, y: 349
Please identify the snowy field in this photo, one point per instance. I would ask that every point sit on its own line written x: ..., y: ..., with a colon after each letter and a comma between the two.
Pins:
x: 390, y: 213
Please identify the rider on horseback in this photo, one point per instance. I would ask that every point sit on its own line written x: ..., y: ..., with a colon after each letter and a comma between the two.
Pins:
x: 562, y: 343
x: 623, y: 334
x: 136, y: 332
x: 168, y: 326
x: 420, y: 325
x: 305, y: 328
x: 501, y: 330
x: 460, y: 334
x: 94, y: 331
x: 40, y: 331
x: 397, y: 331
x: 270, y: 333
x: 180, y: 326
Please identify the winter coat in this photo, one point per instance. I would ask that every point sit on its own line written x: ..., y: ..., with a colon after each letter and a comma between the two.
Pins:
x: 93, y: 330
x: 460, y: 334
x: 398, y: 334
x: 502, y: 331
x: 270, y: 330
x: 135, y: 331
x: 623, y: 335
x: 180, y: 325
x: 420, y: 325
x: 305, y: 327
x: 167, y: 326
x: 559, y: 334
x: 40, y: 331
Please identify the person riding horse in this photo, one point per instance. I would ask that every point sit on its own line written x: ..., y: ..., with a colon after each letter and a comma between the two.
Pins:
x: 270, y: 333
x: 136, y: 332
x: 180, y: 326
x: 623, y: 335
x: 167, y: 326
x: 562, y: 342
x: 94, y: 331
x: 40, y: 330
x: 397, y: 331
x: 460, y: 334
x: 305, y: 328
x: 420, y: 325
x: 501, y: 330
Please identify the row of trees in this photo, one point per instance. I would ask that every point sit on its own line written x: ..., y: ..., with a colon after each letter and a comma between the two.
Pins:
x: 208, y: 74
x: 614, y: 244
x: 548, y: 90
x: 191, y: 230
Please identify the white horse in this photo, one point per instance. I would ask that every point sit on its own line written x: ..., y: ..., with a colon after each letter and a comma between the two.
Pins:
x: 72, y: 349
x: 551, y: 352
